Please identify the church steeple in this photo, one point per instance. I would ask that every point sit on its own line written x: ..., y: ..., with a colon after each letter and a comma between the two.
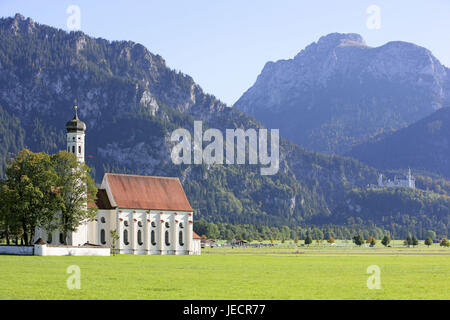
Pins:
x: 76, y: 130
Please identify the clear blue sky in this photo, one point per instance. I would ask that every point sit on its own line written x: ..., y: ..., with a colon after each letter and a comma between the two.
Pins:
x: 224, y: 44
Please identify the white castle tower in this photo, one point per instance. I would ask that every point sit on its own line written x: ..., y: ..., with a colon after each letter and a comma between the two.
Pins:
x: 76, y: 130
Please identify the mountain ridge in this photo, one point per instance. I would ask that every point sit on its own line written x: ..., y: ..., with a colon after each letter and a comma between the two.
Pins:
x: 412, y: 146
x: 331, y: 97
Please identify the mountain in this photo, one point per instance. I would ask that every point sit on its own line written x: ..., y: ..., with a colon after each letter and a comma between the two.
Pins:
x: 131, y: 102
x: 424, y: 145
x: 338, y: 92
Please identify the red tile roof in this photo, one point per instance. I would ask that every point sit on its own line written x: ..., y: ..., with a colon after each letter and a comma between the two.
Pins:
x: 195, y: 236
x: 144, y: 192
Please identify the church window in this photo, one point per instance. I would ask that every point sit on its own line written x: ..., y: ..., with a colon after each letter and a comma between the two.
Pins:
x: 49, y: 238
x: 153, y: 224
x: 140, y: 223
x: 61, y: 238
x: 181, y: 225
x: 103, y: 220
x: 152, y: 238
x: 180, y: 238
x: 125, y: 223
x: 167, y: 238
x: 139, y: 238
x: 167, y: 225
x: 79, y: 149
x: 102, y: 236
x: 73, y: 149
x: 68, y: 149
x: 125, y: 237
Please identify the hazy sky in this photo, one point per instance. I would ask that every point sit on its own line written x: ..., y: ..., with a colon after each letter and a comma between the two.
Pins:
x: 224, y: 44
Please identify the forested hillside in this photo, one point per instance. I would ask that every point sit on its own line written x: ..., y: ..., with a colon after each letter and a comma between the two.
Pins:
x: 131, y: 102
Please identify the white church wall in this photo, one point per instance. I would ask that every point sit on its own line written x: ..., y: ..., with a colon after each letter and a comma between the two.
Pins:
x: 196, y: 246
x: 139, y: 225
x: 45, y: 250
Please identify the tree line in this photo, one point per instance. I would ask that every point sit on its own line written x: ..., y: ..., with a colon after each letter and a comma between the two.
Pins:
x: 42, y: 190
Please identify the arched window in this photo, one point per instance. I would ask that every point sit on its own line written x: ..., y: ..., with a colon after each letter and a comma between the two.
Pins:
x: 125, y: 237
x: 73, y: 149
x: 181, y: 225
x: 167, y: 238
x: 125, y: 223
x: 167, y: 225
x: 68, y: 149
x: 61, y: 238
x: 153, y: 224
x: 140, y: 223
x: 153, y: 238
x: 79, y: 149
x: 49, y: 238
x: 103, y: 236
x: 139, y: 238
x: 180, y: 238
x: 102, y: 220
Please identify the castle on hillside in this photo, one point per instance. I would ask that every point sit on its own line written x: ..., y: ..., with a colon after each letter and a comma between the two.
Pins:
x: 408, y: 182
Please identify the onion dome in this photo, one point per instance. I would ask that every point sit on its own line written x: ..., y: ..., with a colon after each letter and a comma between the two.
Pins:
x: 75, y: 124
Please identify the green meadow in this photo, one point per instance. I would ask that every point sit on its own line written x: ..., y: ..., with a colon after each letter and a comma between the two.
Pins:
x: 239, y: 273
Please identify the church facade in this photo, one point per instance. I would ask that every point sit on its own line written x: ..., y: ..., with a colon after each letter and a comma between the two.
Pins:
x: 149, y: 215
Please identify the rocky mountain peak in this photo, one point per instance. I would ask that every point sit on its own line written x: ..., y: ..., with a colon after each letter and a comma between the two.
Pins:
x: 21, y: 25
x: 338, y: 91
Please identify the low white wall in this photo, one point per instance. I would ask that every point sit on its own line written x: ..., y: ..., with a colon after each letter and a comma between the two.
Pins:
x: 20, y: 250
x: 45, y: 250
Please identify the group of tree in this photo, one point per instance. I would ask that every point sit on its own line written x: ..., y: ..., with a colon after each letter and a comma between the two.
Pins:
x: 47, y: 191
x: 411, y: 241
x: 249, y: 232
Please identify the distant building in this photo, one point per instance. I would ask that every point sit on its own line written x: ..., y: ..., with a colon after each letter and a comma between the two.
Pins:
x: 408, y: 182
x: 208, y: 243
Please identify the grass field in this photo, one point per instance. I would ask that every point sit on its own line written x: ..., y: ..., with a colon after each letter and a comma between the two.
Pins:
x: 244, y: 273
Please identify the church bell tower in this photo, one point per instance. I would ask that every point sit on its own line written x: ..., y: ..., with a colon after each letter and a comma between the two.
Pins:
x: 76, y: 130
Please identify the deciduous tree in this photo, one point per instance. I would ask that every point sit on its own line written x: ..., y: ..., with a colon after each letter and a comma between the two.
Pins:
x: 75, y: 189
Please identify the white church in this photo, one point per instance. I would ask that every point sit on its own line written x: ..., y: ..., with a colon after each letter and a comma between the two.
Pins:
x: 151, y: 215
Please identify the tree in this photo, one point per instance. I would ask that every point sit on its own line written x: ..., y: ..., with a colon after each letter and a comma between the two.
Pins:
x: 330, y: 240
x: 114, y: 237
x: 369, y: 239
x: 76, y: 188
x: 430, y: 234
x: 358, y: 240
x: 428, y: 242
x: 29, y: 194
x: 308, y: 240
x: 408, y: 242
x: 386, y: 240
x: 296, y: 240
x: 445, y: 243
x: 414, y: 241
x: 373, y: 241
